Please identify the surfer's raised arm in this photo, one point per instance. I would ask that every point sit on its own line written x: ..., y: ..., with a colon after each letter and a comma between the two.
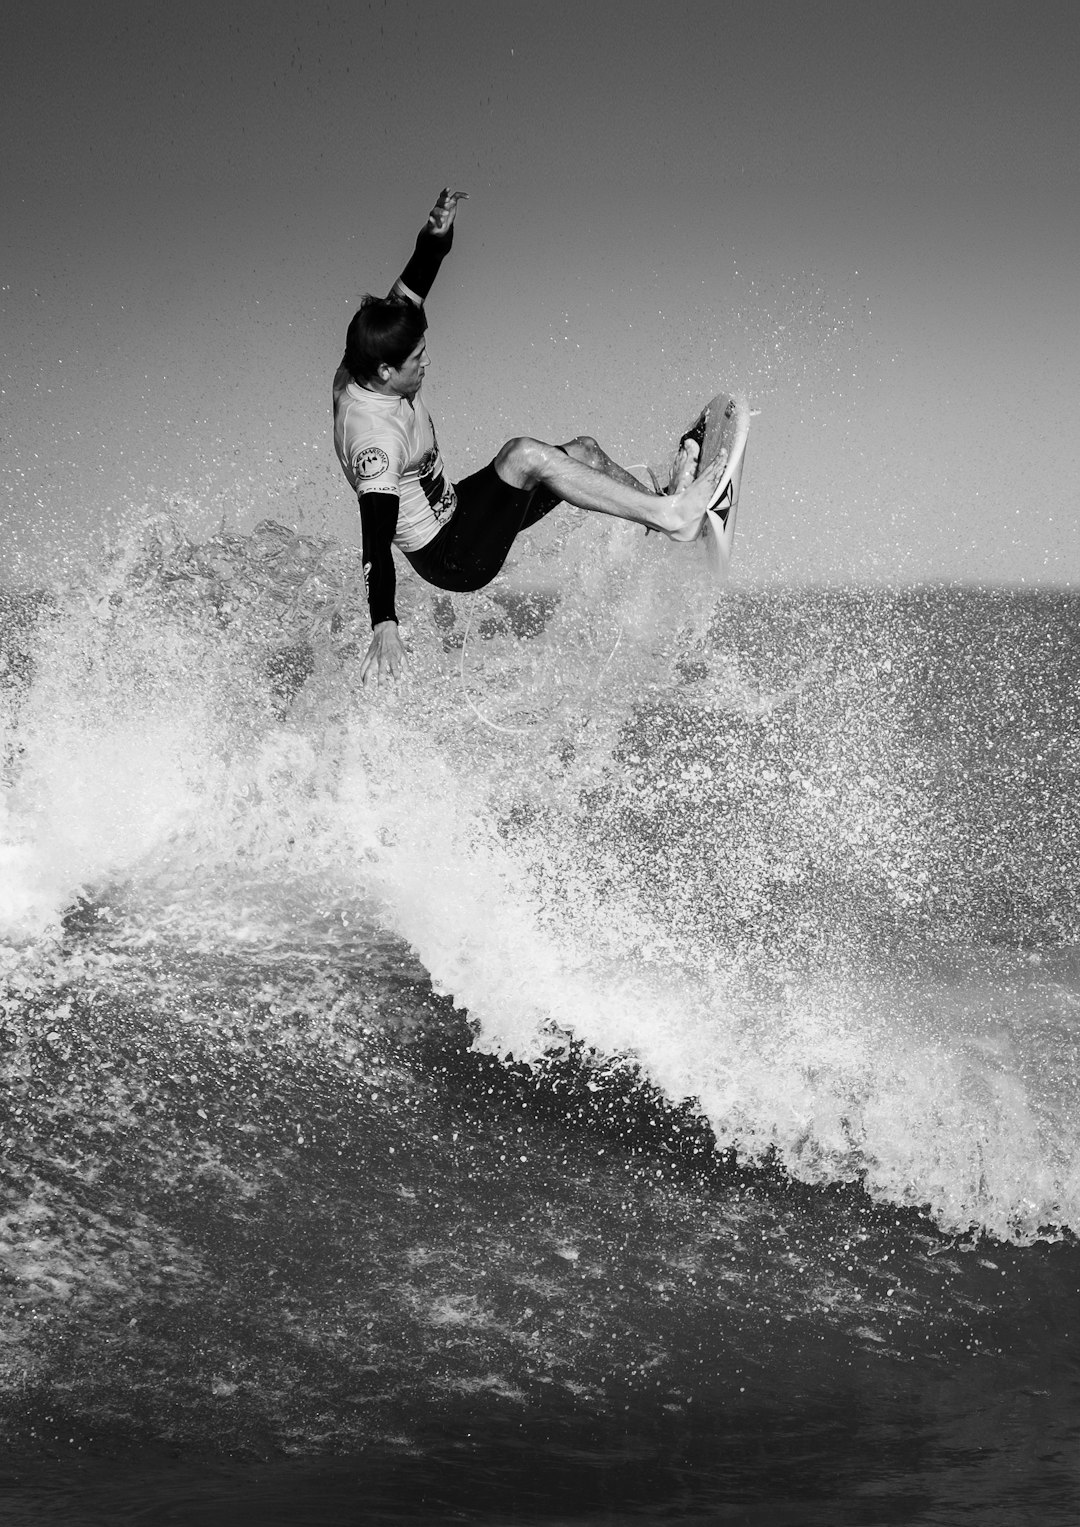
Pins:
x: 383, y: 435
x: 432, y: 246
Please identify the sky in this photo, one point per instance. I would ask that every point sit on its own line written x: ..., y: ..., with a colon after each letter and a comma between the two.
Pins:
x: 866, y: 216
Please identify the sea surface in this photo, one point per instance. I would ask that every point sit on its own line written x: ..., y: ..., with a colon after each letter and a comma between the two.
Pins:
x: 629, y: 1073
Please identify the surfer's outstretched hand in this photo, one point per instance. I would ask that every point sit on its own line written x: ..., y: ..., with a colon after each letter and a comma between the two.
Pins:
x: 442, y: 215
x: 386, y: 657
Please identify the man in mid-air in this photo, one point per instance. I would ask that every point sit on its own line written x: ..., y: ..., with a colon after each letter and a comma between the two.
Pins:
x: 457, y: 536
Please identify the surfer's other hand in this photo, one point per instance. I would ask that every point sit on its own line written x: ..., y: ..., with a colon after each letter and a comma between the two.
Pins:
x: 386, y: 656
x: 442, y: 215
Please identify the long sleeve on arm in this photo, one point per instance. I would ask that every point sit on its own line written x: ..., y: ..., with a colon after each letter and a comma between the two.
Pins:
x: 418, y: 277
x: 378, y: 522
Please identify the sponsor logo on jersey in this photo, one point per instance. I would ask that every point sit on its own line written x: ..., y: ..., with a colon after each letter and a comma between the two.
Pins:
x: 370, y: 462
x: 442, y: 508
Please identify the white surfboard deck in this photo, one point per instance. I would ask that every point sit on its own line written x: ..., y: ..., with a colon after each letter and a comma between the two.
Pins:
x: 722, y: 425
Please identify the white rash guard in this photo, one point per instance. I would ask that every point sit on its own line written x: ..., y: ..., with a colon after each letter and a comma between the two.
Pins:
x: 387, y: 444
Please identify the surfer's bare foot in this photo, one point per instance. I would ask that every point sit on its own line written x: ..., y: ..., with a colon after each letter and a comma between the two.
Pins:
x: 686, y: 460
x: 688, y: 505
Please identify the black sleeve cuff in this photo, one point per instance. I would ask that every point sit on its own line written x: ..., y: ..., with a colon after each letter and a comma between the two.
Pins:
x: 378, y: 522
x: 431, y: 250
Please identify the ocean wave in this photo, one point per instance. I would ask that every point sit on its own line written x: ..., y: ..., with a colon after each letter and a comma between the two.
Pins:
x: 761, y: 856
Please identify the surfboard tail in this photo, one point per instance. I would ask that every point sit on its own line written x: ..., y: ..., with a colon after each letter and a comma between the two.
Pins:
x: 717, y: 545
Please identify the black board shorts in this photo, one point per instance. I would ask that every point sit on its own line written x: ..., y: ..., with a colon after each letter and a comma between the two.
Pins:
x: 468, y: 551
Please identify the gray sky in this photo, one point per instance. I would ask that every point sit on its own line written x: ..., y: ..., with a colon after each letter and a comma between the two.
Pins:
x: 866, y: 215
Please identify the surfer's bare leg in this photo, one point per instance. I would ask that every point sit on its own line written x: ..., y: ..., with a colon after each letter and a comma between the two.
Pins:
x: 527, y: 463
x: 585, y: 449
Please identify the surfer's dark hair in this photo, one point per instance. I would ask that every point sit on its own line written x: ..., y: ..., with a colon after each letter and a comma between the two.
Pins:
x: 384, y: 332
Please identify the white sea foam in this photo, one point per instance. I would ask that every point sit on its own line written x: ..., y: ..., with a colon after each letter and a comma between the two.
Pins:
x: 653, y: 895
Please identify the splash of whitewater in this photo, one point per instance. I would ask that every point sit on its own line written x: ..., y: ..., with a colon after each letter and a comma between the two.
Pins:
x: 708, y: 843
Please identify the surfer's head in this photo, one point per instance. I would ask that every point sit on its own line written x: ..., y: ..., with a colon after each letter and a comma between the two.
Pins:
x: 384, y: 333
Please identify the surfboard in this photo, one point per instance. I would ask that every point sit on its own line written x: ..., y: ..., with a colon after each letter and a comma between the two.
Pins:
x: 722, y: 425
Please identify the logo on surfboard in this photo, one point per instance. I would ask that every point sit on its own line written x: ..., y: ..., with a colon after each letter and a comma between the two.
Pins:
x: 721, y: 505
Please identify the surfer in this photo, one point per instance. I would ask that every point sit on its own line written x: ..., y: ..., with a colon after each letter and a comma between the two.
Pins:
x: 457, y: 535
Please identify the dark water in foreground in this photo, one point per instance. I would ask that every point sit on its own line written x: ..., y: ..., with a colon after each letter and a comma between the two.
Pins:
x: 741, y: 1185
